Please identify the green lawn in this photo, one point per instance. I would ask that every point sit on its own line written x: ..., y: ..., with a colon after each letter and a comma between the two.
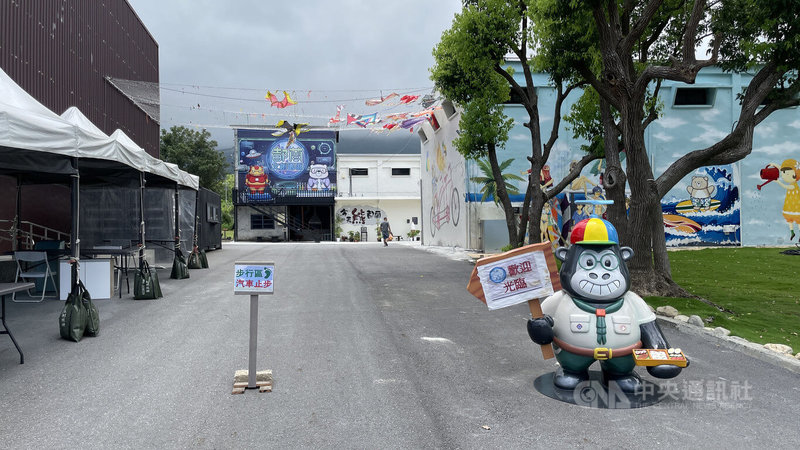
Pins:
x: 760, y: 285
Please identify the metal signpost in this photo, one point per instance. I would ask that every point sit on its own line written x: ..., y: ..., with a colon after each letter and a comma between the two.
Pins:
x: 253, y: 278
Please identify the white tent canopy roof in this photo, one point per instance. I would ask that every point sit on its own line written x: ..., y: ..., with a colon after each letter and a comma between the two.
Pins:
x: 28, y: 125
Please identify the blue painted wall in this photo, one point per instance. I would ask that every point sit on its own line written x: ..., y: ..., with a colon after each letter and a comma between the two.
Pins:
x: 725, y: 205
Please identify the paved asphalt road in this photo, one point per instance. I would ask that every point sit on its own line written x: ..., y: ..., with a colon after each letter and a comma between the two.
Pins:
x: 371, y: 347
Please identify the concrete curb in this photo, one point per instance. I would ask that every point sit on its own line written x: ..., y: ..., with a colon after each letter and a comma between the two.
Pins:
x: 735, y: 343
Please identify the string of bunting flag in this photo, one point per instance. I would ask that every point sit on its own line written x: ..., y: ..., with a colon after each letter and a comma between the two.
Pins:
x: 403, y: 110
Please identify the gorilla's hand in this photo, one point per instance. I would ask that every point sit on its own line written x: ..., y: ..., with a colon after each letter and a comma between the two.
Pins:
x: 541, y: 330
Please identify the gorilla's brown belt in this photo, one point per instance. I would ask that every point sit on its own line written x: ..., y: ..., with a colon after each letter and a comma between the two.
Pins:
x: 598, y: 353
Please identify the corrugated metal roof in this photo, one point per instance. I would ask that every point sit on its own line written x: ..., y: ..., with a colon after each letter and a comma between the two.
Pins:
x: 143, y: 94
x: 357, y: 142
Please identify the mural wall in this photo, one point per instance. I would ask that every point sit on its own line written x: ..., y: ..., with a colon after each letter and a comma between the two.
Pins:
x: 753, y: 202
x: 443, y: 187
x: 770, y: 194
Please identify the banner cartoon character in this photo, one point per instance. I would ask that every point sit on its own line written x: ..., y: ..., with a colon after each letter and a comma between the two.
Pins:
x: 256, y: 180
x: 318, y: 177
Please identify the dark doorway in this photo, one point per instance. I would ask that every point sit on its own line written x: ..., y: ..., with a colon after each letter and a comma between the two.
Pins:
x: 310, y: 223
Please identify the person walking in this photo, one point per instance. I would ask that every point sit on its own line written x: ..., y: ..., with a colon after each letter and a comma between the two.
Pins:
x: 386, y: 231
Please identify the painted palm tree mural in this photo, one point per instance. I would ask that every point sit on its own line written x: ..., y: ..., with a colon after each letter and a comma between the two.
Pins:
x: 490, y: 185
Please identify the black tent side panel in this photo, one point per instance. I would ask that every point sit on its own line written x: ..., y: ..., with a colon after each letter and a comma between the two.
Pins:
x: 209, y: 211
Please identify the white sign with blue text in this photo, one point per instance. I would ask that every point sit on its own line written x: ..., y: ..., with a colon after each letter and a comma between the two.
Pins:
x: 253, y: 278
x: 515, y: 280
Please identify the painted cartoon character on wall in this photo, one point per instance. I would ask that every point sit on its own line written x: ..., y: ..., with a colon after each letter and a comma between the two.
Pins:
x: 791, y: 204
x: 318, y: 177
x: 701, y: 193
x: 256, y: 180
x: 594, y: 317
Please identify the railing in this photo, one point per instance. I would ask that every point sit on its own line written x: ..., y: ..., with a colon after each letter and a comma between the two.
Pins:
x: 377, y: 194
x: 282, y: 196
x: 28, y: 233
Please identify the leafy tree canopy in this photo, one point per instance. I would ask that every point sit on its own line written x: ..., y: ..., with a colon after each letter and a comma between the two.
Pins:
x: 195, y: 153
x: 488, y: 184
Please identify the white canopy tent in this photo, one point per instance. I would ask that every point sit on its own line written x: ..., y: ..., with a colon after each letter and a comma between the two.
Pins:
x: 26, y: 124
x: 39, y: 146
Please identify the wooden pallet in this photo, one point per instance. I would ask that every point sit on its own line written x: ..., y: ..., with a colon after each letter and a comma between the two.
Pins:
x: 241, y: 381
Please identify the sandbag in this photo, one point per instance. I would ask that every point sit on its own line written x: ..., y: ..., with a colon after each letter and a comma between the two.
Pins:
x: 145, y: 283
x: 203, y: 259
x: 73, y: 319
x: 92, y: 314
x: 179, y: 268
x: 194, y: 260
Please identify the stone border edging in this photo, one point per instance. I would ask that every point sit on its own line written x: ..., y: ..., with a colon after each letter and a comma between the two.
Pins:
x: 736, y: 343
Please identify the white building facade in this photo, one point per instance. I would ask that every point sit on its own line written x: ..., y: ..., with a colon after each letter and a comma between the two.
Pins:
x: 378, y: 176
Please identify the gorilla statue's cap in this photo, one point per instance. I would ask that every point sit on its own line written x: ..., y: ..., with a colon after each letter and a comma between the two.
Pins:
x: 594, y: 231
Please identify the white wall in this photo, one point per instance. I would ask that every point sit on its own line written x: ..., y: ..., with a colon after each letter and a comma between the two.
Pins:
x: 446, y: 221
x: 399, y: 213
x: 363, y: 201
x: 379, y: 182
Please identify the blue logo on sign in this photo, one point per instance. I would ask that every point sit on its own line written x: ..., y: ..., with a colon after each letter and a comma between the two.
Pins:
x: 497, y: 275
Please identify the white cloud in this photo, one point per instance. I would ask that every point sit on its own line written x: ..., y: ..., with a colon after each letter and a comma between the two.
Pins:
x: 784, y: 148
x: 671, y: 122
x: 710, y: 115
x: 795, y: 124
x: 661, y: 136
x: 765, y: 130
x: 519, y: 137
x: 710, y: 134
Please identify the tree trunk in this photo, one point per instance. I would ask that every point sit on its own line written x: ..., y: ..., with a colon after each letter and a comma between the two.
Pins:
x: 502, y: 194
x: 614, y: 180
x: 523, y: 226
x: 537, y: 205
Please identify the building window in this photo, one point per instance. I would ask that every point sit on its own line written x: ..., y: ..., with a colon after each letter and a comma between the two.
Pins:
x: 261, y: 222
x: 694, y: 97
x: 401, y: 171
x: 449, y: 108
x: 359, y: 172
x: 212, y: 214
x: 423, y: 136
x: 515, y: 98
x: 434, y: 122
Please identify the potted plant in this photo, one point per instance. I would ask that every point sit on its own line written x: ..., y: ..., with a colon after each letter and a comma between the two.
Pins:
x: 352, y: 235
x: 337, y: 228
x: 413, y: 235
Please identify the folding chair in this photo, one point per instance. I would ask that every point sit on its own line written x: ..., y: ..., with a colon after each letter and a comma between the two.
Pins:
x: 33, y: 265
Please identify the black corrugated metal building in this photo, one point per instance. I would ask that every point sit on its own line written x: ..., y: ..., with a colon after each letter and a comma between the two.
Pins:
x: 62, y: 51
x: 66, y: 53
